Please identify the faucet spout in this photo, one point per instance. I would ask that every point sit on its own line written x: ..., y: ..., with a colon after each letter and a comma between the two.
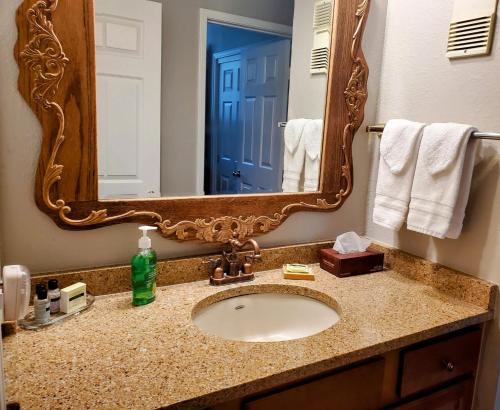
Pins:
x: 235, y: 243
x: 236, y: 268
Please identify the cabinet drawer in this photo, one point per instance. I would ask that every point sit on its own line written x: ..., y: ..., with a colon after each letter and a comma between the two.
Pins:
x: 432, y: 364
x: 456, y: 397
x: 340, y: 391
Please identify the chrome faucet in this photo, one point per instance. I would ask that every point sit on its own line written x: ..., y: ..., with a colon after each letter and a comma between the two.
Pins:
x: 232, y: 267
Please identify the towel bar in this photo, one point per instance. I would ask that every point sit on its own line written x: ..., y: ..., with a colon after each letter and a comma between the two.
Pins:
x: 379, y: 129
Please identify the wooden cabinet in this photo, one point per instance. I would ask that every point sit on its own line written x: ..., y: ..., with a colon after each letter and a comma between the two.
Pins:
x: 455, y: 397
x: 437, y: 374
x: 338, y: 391
x: 438, y: 362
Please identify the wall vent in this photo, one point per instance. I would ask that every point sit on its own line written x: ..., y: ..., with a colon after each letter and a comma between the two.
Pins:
x: 322, y: 14
x: 322, y: 25
x: 471, y: 28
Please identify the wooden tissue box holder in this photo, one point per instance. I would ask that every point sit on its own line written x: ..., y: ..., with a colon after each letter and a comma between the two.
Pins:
x: 344, y: 265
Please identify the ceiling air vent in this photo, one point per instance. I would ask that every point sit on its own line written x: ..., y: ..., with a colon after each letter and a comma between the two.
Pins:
x: 322, y: 25
x: 471, y: 28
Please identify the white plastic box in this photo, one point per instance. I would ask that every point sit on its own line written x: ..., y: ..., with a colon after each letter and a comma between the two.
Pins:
x: 17, y: 290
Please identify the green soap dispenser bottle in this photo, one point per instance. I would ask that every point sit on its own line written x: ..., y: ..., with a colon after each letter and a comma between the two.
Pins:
x: 144, y: 270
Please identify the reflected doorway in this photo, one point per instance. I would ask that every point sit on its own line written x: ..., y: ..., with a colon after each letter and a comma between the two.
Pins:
x: 247, y: 98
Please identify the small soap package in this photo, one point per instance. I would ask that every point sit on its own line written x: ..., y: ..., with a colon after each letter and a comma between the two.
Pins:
x: 73, y: 298
x: 296, y: 271
x: 351, y: 256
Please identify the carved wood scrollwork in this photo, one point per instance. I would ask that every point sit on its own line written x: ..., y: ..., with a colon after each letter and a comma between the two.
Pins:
x: 45, y: 57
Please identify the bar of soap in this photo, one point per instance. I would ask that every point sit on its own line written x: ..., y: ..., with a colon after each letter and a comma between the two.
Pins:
x: 296, y: 268
x: 297, y: 275
x: 73, y: 297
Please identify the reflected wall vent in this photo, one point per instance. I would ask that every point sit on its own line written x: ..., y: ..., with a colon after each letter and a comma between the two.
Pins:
x: 471, y: 29
x: 322, y: 25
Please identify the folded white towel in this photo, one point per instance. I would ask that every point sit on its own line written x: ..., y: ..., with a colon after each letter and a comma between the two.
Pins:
x: 457, y: 220
x: 313, y: 138
x: 442, y: 180
x: 398, y: 159
x: 294, y: 155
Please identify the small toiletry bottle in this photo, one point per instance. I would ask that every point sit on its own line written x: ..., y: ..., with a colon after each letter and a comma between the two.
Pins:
x: 41, y: 304
x: 144, y: 270
x: 54, y: 296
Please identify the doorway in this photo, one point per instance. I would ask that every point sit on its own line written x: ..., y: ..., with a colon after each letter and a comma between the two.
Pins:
x: 247, y: 97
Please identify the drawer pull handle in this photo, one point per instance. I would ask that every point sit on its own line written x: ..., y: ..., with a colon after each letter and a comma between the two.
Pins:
x: 449, y: 366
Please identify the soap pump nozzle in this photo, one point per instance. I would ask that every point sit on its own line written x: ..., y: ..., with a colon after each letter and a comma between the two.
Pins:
x: 145, y: 240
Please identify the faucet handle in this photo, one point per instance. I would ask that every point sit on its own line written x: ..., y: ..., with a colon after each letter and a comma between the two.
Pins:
x: 255, y: 257
x: 215, y: 270
x: 212, y: 263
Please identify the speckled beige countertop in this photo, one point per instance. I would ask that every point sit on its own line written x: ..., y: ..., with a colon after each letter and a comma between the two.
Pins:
x: 116, y: 356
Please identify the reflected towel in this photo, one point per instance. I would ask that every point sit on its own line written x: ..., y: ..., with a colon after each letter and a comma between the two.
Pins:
x: 293, y: 164
x: 313, y: 137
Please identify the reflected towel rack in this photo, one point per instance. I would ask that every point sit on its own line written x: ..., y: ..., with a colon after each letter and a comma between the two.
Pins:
x: 379, y: 129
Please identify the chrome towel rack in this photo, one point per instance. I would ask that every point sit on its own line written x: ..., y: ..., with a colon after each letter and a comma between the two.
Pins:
x: 379, y: 129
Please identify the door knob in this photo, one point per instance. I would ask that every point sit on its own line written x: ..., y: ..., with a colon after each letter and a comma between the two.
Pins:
x: 237, y: 174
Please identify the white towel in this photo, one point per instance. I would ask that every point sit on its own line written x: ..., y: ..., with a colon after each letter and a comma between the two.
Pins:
x: 313, y: 138
x: 294, y: 155
x: 442, y: 180
x: 398, y: 159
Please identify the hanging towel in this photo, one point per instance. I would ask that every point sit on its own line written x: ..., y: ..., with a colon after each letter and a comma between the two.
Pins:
x: 313, y: 138
x: 442, y: 180
x: 294, y: 155
x: 398, y: 159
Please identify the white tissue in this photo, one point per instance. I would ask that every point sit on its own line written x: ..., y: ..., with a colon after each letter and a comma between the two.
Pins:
x: 351, y: 242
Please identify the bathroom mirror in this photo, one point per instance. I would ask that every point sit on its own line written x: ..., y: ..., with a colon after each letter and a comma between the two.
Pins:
x: 193, y: 100
x: 206, y: 118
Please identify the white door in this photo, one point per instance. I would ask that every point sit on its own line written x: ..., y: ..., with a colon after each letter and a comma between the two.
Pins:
x: 128, y: 68
x: 251, y: 98
x: 265, y: 72
x: 227, y: 127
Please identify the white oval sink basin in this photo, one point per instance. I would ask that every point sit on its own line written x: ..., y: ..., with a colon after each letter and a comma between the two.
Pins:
x: 266, y: 317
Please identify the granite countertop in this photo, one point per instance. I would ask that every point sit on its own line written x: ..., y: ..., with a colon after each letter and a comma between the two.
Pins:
x: 117, y: 356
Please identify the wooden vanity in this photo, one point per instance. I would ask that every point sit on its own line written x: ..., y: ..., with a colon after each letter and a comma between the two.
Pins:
x: 436, y: 373
x: 408, y: 338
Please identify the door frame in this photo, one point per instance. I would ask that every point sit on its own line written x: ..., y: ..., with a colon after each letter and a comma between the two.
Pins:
x: 212, y: 16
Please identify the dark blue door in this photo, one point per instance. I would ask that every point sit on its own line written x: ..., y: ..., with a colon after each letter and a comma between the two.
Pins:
x: 251, y: 99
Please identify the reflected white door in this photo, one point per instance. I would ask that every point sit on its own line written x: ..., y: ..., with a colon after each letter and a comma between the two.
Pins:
x: 228, y: 128
x: 251, y: 99
x: 265, y: 72
x: 128, y: 68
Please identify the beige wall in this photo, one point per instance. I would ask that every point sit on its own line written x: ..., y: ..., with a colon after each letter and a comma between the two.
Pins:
x: 418, y: 82
x: 181, y: 20
x: 29, y: 237
x: 307, y: 91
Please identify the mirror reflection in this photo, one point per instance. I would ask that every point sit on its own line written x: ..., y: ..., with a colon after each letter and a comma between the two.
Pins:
x: 210, y: 97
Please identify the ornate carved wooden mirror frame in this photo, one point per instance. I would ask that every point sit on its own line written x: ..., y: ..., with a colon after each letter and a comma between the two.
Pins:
x: 56, y: 56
